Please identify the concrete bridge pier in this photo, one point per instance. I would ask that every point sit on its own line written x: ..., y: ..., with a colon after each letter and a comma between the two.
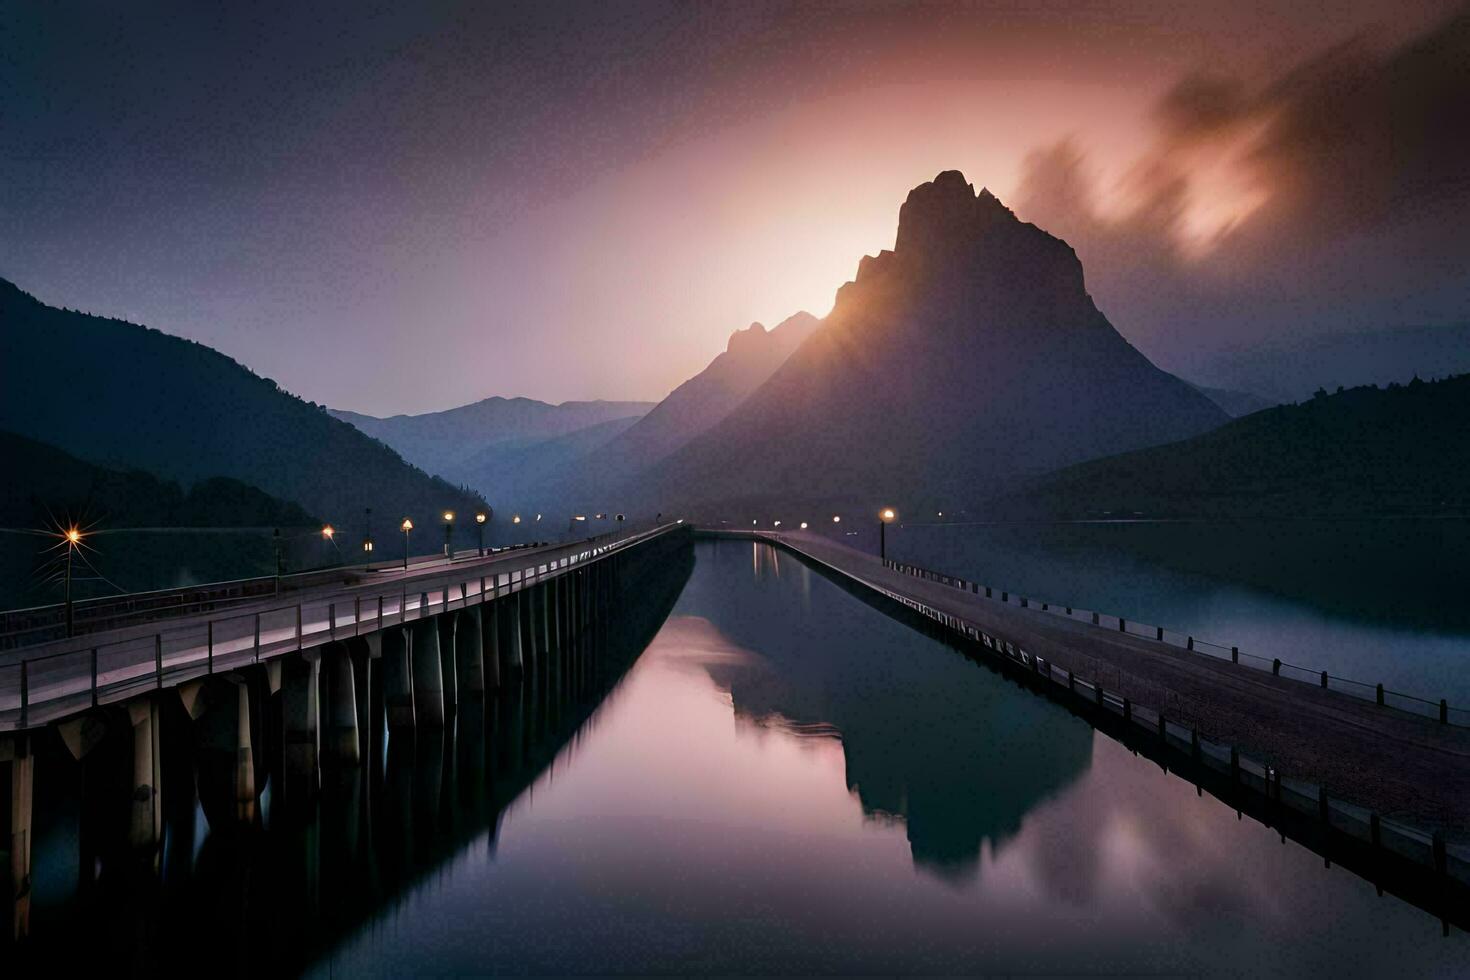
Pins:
x: 448, y: 624
x: 145, y: 828
x: 366, y: 653
x: 490, y: 616
x: 525, y: 618
x: 398, y: 699
x: 512, y: 664
x: 341, y: 744
x: 469, y: 658
x: 300, y: 725
x: 17, y: 780
x: 428, y: 675
x: 225, y: 755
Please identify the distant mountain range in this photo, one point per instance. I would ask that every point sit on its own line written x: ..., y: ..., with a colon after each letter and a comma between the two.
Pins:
x: 1292, y: 370
x: 124, y: 396
x: 1235, y: 403
x: 750, y: 357
x: 966, y: 358
x: 516, y: 473
x: 1362, y: 451
x: 445, y: 442
x: 43, y: 488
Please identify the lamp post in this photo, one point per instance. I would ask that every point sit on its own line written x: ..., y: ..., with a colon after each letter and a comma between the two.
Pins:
x: 480, y: 519
x: 405, y: 527
x: 885, y: 517
x: 448, y: 532
x: 73, y: 538
x: 367, y: 533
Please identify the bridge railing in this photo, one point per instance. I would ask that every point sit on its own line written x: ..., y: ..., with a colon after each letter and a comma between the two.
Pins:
x: 55, y: 683
x: 40, y: 624
x: 1225, y: 765
x: 1440, y: 710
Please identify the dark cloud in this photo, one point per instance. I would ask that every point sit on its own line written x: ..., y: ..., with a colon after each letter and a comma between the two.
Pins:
x: 1360, y: 161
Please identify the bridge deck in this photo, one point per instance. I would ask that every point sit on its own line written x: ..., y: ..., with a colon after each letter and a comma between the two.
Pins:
x: 47, y: 682
x: 1391, y: 762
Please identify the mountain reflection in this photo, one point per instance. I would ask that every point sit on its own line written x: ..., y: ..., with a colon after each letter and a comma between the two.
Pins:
x: 961, y: 762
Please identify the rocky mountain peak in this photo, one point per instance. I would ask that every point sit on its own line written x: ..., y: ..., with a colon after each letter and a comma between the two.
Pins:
x: 946, y: 214
x: 751, y: 337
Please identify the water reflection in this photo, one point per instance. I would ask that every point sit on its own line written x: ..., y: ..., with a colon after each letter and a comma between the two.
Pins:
x: 960, y: 772
x: 786, y: 781
x: 268, y: 889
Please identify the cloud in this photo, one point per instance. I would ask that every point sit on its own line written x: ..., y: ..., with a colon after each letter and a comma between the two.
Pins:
x: 1333, y: 195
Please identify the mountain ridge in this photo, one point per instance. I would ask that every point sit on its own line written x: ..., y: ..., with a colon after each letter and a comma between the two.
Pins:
x: 184, y: 411
x: 968, y: 355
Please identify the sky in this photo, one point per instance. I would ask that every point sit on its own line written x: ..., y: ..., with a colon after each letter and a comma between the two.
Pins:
x: 406, y: 207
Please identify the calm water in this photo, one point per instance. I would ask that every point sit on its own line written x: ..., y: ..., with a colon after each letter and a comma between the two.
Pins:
x: 787, y: 781
x: 783, y: 781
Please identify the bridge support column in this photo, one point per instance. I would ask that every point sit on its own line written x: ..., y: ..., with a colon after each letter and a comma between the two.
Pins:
x: 490, y: 644
x: 17, y: 780
x: 341, y: 746
x: 428, y: 675
x: 301, y: 723
x: 225, y: 754
x: 469, y: 660
x: 546, y: 622
x: 448, y: 623
x: 366, y: 653
x: 145, y: 829
x: 512, y: 664
x: 398, y: 698
x: 526, y: 624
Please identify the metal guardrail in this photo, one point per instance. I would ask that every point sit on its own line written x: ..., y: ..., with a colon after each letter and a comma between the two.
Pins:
x: 1442, y: 710
x: 39, y: 624
x: 72, y: 675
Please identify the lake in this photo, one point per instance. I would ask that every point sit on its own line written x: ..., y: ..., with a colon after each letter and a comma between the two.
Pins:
x: 781, y: 780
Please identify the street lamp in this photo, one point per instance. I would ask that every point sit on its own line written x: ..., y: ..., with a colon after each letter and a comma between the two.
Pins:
x: 73, y: 538
x: 405, y: 527
x: 885, y: 517
x: 448, y: 532
x: 836, y: 518
x: 480, y: 519
x: 803, y: 525
x: 367, y: 533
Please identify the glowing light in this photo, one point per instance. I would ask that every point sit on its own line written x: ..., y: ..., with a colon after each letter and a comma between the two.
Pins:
x: 516, y: 519
x: 580, y: 517
x: 73, y: 536
x: 480, y: 518
x: 803, y: 525
x: 407, y: 525
x: 888, y: 514
x: 448, y: 516
x: 776, y: 524
x: 754, y: 523
x: 538, y: 517
x: 367, y: 546
x: 328, y: 531
x: 836, y: 519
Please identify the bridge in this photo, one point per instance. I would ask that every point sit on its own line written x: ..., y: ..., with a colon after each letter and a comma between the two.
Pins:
x: 1365, y: 772
x: 285, y: 688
